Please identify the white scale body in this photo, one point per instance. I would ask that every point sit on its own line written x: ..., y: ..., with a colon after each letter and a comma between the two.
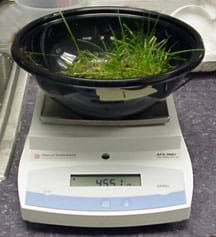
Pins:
x: 155, y: 155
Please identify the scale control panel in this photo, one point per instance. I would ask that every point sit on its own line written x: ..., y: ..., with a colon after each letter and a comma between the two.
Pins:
x: 65, y: 189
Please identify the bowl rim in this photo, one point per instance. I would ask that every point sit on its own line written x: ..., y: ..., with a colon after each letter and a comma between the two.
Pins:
x: 20, y: 57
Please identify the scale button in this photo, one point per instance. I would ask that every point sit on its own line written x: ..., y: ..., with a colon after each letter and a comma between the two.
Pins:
x: 47, y: 192
x: 126, y: 203
x: 105, y: 203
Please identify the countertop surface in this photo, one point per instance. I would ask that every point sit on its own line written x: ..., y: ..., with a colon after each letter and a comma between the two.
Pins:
x: 196, y: 109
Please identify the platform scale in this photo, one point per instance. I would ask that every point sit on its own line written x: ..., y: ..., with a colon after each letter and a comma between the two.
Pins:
x: 133, y: 172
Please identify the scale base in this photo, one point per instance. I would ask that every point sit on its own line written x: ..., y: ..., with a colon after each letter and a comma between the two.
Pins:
x: 54, y: 152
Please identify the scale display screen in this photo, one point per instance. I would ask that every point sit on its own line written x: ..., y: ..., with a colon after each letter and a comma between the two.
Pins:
x: 105, y: 180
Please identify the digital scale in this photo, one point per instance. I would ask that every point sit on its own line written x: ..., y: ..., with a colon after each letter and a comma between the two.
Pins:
x: 82, y: 172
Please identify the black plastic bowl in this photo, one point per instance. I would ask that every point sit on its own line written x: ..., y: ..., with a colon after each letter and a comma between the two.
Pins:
x: 104, y: 99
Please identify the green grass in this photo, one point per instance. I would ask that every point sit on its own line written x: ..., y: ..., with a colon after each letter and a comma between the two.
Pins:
x: 133, y: 55
x: 127, y: 59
